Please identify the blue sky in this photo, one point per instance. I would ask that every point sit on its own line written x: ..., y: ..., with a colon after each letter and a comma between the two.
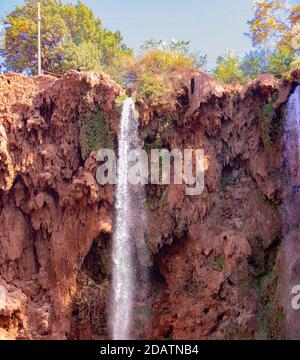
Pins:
x: 212, y: 26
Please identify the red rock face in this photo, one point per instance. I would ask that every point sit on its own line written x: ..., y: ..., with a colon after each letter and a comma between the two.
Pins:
x: 218, y: 253
x: 215, y: 256
x: 51, y: 207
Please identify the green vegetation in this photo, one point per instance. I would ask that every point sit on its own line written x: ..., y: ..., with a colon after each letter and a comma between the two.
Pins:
x: 164, y: 198
x: 163, y: 132
x: 159, y: 199
x: 95, y: 133
x: 174, y: 54
x: 275, y: 21
x: 275, y: 32
x: 257, y: 259
x: 260, y: 282
x: 157, y: 71
x: 166, y: 127
x: 150, y: 87
x: 145, y: 311
x: 231, y: 68
x: 264, y: 281
x: 274, y: 203
x: 120, y: 100
x: 270, y: 124
x: 71, y: 37
x: 228, y: 68
x: 270, y: 317
x: 226, y: 181
x: 219, y: 263
x: 138, y: 325
x: 155, y: 142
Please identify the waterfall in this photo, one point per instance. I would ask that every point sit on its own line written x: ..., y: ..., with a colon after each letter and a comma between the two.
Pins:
x: 127, y: 237
x: 291, y: 212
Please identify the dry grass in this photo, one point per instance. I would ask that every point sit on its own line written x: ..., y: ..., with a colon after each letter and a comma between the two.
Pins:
x: 90, y: 304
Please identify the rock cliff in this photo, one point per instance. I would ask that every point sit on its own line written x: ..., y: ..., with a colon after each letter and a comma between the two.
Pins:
x: 215, y: 266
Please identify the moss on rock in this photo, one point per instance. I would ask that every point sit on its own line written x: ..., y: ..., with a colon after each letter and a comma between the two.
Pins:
x: 95, y: 133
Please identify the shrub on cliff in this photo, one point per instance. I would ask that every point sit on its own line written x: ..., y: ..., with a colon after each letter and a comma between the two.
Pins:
x: 94, y: 133
x: 157, y: 71
x: 260, y: 61
x: 228, y: 68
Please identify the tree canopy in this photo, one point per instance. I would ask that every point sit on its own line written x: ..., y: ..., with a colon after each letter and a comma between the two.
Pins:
x: 275, y: 33
x: 228, y: 68
x: 276, y: 22
x: 71, y: 36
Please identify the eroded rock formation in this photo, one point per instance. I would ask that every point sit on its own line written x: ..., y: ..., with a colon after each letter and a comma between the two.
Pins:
x: 215, y: 257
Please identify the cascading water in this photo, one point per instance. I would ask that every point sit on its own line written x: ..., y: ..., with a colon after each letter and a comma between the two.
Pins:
x: 128, y: 236
x: 291, y: 212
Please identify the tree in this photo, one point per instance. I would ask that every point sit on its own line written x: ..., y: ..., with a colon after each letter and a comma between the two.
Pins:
x: 281, y: 61
x: 275, y: 22
x: 228, y: 68
x: 173, y: 46
x: 255, y: 62
x: 71, y: 36
x: 264, y: 61
x: 275, y: 30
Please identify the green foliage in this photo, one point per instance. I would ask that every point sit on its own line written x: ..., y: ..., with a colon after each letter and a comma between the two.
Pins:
x: 274, y: 203
x: 171, y: 54
x: 257, y: 258
x: 219, y: 263
x: 71, y: 37
x: 261, y: 61
x: 145, y: 311
x: 296, y: 62
x: 164, y: 198
x: 269, y: 125
x: 276, y: 21
x: 255, y: 63
x: 227, y: 180
x: 281, y: 61
x: 95, y: 133
x: 150, y: 87
x: 86, y: 56
x: 174, y: 46
x: 269, y: 316
x: 155, y: 142
x: 158, y: 71
x: 164, y: 132
x: 275, y: 26
x: 264, y: 281
x: 120, y: 100
x: 166, y: 127
x: 228, y: 68
x: 138, y: 325
x: 261, y: 283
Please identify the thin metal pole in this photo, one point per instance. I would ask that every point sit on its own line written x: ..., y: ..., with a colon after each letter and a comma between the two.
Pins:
x: 39, y: 40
